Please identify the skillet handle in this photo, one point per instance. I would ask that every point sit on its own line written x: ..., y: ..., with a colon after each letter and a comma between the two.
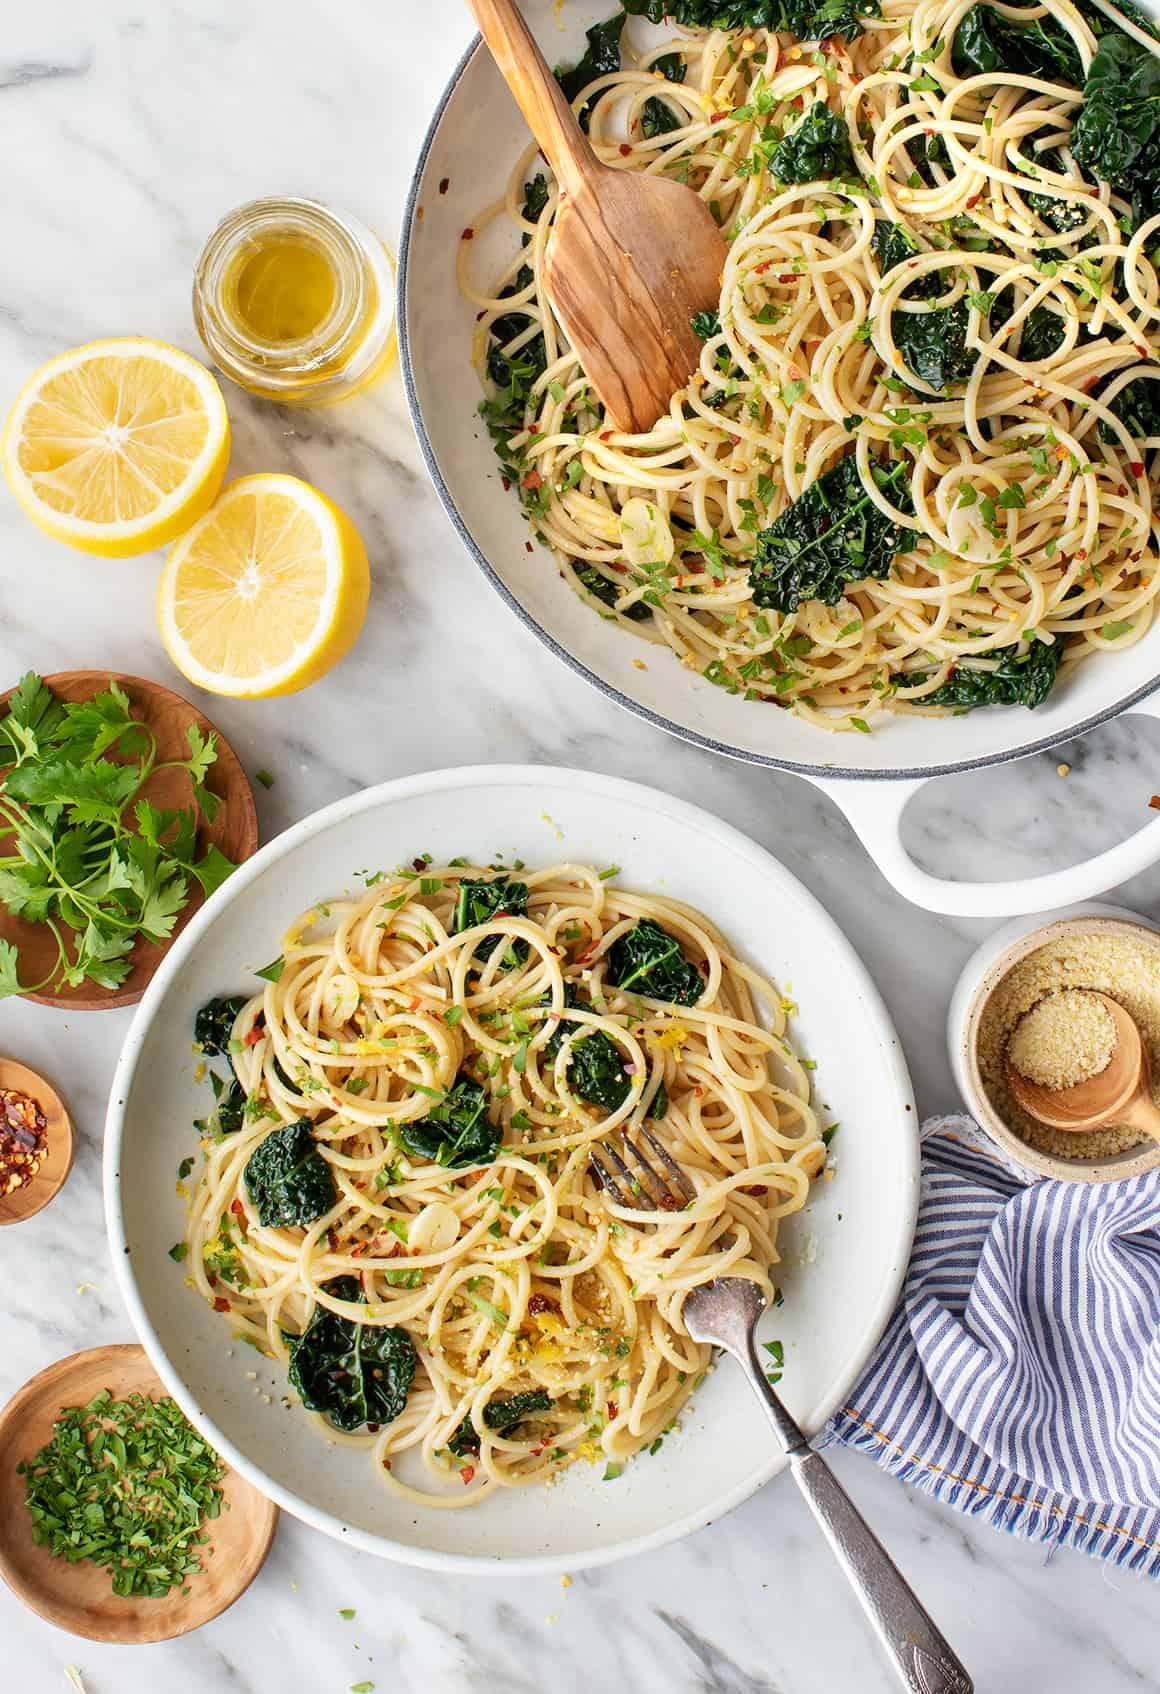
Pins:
x: 875, y: 811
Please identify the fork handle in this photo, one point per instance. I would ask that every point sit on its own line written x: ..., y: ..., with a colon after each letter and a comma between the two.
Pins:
x: 921, y: 1654
x: 536, y: 91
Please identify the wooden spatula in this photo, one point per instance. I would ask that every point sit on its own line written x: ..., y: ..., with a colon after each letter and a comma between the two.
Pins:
x: 631, y: 258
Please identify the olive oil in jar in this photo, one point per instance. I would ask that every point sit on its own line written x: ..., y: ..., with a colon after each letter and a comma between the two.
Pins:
x: 294, y: 301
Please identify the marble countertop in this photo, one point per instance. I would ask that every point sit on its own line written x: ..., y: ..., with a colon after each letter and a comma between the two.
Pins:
x: 126, y: 130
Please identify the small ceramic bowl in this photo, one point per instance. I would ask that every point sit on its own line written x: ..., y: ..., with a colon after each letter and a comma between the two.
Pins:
x: 984, y: 971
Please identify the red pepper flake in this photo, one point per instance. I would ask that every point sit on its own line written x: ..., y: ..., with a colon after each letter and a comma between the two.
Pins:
x: 975, y: 198
x: 528, y: 547
x: 467, y: 1474
x: 507, y: 484
x: 613, y: 1409
x: 254, y: 1034
x: 332, y: 1239
x: 445, y: 185
x: 786, y: 276
x: 1136, y: 467
x: 719, y: 117
x: 468, y: 235
x: 1154, y: 802
x: 625, y: 149
x: 760, y: 270
x: 532, y: 480
x: 23, y: 1139
x: 415, y: 1004
x: 221, y: 1304
x: 237, y: 1208
x: 606, y: 435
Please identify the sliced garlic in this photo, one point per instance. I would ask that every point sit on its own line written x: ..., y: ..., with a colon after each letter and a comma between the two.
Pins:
x: 435, y: 1230
x: 645, y: 536
x: 341, y: 996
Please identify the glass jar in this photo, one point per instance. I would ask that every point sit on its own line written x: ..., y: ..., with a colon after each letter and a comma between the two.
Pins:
x: 295, y: 302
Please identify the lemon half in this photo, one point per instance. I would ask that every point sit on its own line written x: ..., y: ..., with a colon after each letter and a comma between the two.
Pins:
x: 266, y: 592
x: 118, y: 446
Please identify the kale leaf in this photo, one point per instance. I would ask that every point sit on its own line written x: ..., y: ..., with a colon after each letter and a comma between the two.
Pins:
x: 987, y: 41
x: 515, y: 374
x: 891, y: 244
x: 660, y: 1104
x: 563, y: 1025
x: 482, y: 899
x: 502, y: 1416
x: 456, y: 1131
x: 934, y: 344
x: 214, y: 1024
x: 1138, y: 408
x: 607, y: 592
x: 1021, y: 678
x: 706, y: 324
x: 1041, y: 333
x: 809, y: 20
x: 353, y: 1373
x: 817, y: 149
x: 601, y: 56
x: 229, y: 1110
x: 648, y: 960
x: 1116, y: 136
x: 831, y: 536
x: 287, y: 1178
x: 658, y: 117
x: 596, y: 1071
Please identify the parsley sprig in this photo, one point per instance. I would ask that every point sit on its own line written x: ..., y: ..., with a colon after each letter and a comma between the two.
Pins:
x: 80, y: 848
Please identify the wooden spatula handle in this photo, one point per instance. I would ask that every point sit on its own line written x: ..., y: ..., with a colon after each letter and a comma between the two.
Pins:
x: 537, y: 93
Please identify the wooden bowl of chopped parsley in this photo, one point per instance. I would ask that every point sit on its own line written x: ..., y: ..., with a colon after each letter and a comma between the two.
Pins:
x: 117, y: 1521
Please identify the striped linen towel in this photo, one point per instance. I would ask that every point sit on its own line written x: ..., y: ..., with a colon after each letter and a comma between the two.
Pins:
x: 1019, y: 1379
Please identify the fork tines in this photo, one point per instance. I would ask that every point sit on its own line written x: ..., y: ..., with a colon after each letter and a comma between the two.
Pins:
x: 665, y: 1190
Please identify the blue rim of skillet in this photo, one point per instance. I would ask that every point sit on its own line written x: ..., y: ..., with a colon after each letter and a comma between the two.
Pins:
x: 824, y: 772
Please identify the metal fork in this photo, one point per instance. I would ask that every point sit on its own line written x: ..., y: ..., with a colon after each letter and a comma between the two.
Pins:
x: 725, y: 1314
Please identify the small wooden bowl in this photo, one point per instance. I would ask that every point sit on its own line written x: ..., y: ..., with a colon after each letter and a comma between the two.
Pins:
x: 235, y: 832
x: 80, y: 1597
x: 25, y: 1202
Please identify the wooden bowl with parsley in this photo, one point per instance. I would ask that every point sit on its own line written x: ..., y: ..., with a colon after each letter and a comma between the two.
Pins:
x: 121, y: 809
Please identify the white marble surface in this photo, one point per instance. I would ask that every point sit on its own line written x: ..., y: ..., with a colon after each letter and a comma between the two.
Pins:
x: 126, y: 129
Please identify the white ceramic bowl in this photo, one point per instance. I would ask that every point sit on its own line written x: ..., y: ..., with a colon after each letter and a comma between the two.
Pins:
x: 981, y: 975
x: 475, y: 138
x: 844, y: 1255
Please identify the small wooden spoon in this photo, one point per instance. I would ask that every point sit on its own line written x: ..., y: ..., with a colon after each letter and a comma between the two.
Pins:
x: 631, y: 258
x: 1120, y: 1094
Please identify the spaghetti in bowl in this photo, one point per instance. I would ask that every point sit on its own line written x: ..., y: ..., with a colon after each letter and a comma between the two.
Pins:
x: 841, y: 1256
x: 397, y: 1196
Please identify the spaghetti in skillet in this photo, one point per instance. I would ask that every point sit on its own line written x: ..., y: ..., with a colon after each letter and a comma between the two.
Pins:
x: 397, y: 1198
x: 915, y: 470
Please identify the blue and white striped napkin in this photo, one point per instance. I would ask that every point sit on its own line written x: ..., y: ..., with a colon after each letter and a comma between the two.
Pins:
x: 1019, y: 1379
